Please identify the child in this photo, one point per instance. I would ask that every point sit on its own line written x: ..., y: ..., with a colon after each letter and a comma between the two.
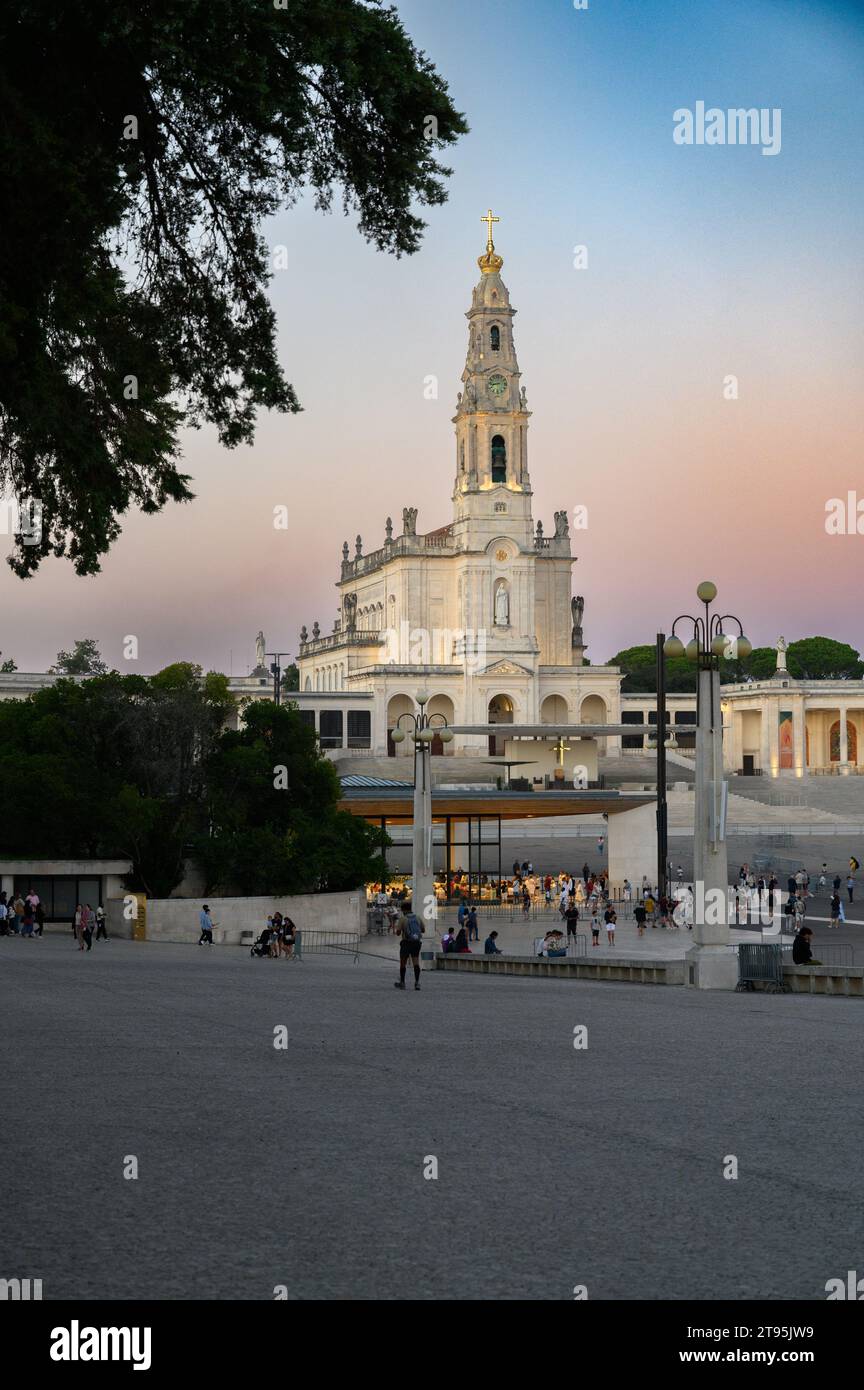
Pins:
x: 595, y: 927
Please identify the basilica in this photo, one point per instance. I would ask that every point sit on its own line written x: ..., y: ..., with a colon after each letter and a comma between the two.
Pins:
x: 477, y: 612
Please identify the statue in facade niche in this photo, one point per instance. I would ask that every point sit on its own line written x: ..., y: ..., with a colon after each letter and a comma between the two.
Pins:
x: 523, y: 399
x: 562, y: 525
x: 502, y: 607
x: 409, y: 521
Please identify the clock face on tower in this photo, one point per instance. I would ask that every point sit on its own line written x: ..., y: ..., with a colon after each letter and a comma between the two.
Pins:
x: 497, y: 385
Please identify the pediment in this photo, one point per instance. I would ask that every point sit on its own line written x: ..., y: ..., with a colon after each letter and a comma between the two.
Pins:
x: 506, y: 668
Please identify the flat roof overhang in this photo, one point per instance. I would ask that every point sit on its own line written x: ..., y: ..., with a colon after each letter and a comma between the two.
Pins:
x: 396, y: 803
x: 557, y: 730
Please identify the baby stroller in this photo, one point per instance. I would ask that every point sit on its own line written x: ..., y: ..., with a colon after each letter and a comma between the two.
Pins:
x: 262, y: 945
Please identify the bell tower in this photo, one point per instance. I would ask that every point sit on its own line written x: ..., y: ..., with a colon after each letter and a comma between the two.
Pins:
x: 491, y: 419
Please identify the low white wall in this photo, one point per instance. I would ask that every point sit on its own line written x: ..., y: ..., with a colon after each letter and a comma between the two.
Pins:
x: 176, y: 919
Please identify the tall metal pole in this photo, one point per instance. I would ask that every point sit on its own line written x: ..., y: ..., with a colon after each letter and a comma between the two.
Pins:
x: 276, y: 672
x: 662, y: 810
x: 711, y: 964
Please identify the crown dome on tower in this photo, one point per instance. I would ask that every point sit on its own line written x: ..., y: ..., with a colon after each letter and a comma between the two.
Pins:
x: 490, y: 262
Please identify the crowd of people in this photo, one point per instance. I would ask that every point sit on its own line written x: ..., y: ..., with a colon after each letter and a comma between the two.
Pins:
x: 25, y: 917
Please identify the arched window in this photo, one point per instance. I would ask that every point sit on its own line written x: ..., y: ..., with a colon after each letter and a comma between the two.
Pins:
x: 499, y: 459
x: 495, y: 338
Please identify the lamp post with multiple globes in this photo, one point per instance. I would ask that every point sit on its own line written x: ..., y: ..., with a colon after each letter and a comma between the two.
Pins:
x: 711, y: 963
x: 423, y: 728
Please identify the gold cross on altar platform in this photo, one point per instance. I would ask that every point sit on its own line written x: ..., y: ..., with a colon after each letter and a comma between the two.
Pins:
x: 489, y: 219
x: 561, y: 748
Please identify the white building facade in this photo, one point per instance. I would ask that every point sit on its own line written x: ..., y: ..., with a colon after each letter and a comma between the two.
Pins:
x: 477, y: 612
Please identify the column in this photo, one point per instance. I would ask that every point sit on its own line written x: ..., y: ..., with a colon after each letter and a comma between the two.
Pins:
x: 765, y: 738
x: 799, y: 749
x: 774, y: 737
x: 423, y: 882
x: 844, y: 739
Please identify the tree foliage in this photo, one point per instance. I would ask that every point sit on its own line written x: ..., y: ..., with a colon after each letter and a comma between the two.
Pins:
x: 272, y: 805
x: 813, y: 658
x: 84, y: 660
x: 144, y: 768
x: 142, y: 147
x: 821, y: 658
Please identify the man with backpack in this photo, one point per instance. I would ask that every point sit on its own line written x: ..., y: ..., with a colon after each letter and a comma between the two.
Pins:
x: 409, y: 946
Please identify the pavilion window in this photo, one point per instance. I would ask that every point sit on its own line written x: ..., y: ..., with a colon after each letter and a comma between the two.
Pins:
x: 499, y: 459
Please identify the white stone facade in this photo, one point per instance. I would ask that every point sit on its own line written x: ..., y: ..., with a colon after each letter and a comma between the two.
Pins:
x: 478, y: 611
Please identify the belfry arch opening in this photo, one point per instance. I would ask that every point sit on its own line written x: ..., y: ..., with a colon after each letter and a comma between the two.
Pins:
x: 499, y: 459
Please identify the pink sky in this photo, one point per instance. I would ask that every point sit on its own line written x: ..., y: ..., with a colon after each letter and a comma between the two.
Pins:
x: 702, y: 263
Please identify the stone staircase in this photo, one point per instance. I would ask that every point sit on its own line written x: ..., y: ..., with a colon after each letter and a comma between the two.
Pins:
x: 838, y: 796
x: 401, y: 769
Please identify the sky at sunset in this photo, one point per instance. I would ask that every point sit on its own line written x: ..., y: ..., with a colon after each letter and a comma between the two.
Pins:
x: 703, y: 262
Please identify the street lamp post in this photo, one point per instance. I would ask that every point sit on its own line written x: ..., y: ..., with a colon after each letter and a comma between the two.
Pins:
x: 423, y: 729
x: 711, y: 964
x: 276, y: 673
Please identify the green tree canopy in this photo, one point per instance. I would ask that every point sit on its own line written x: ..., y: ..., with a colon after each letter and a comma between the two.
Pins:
x: 84, y: 660
x: 812, y: 658
x: 111, y: 766
x: 145, y: 768
x: 821, y: 658
x: 275, y: 827
x: 142, y: 148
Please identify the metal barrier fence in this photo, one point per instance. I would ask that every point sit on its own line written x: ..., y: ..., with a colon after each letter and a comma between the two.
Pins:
x: 319, y: 943
x: 833, y: 953
x: 759, y: 963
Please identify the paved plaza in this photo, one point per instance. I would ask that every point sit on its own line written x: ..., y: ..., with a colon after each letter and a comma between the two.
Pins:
x: 303, y: 1167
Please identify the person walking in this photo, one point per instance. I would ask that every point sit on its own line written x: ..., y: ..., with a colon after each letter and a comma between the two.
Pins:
x: 18, y: 912
x: 4, y: 915
x: 834, y: 910
x: 640, y: 914
x: 39, y: 915
x: 77, y: 928
x: 205, y: 922
x: 850, y: 887
x: 87, y: 925
x: 572, y: 919
x: 101, y: 933
x: 611, y: 919
x: 409, y: 945
x: 473, y: 928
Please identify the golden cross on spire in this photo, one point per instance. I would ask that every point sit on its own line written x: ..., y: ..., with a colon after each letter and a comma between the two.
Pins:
x: 489, y: 219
